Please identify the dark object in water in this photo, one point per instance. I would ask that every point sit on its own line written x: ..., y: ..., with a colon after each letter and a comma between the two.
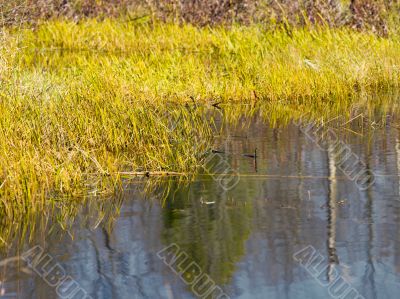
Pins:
x: 254, y: 156
x: 217, y: 152
x: 216, y: 105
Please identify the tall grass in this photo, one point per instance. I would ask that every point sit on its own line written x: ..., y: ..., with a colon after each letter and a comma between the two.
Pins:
x: 81, y: 103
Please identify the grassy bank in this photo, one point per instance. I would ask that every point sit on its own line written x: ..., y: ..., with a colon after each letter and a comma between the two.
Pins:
x: 81, y: 103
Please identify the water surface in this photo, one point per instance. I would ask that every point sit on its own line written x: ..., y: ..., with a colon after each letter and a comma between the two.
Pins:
x: 293, y: 196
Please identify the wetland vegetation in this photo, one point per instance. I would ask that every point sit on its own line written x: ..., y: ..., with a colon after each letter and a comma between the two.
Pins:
x: 93, y: 98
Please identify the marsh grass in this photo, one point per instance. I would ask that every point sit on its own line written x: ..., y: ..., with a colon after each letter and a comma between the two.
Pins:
x: 81, y: 103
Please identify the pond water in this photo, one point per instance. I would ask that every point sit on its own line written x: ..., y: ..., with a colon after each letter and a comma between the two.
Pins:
x: 289, y: 224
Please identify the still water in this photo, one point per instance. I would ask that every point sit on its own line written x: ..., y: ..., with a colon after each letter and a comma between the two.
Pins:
x: 292, y: 198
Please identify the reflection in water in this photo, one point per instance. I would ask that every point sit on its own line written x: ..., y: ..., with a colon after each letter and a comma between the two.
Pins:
x: 243, y: 238
x: 331, y: 206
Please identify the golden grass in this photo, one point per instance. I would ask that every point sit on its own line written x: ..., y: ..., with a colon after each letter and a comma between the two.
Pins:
x: 82, y: 103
